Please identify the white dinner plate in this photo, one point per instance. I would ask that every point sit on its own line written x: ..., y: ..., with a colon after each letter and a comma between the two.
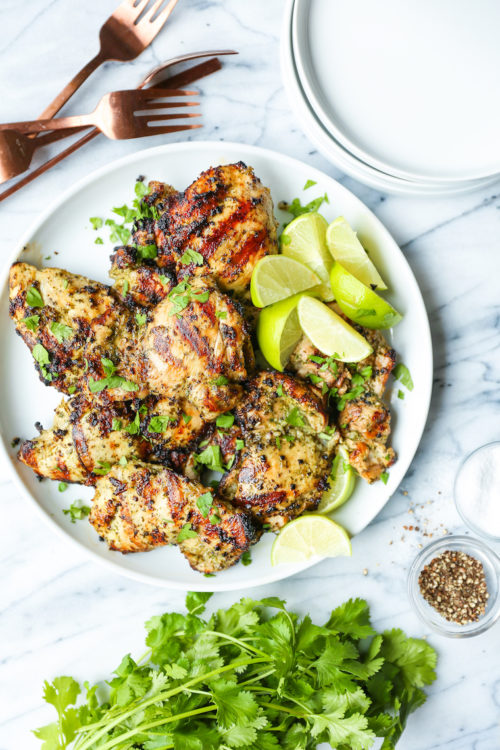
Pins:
x: 335, y: 152
x: 65, y: 229
x: 409, y: 88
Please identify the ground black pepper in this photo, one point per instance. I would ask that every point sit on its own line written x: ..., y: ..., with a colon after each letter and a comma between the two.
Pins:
x: 454, y: 584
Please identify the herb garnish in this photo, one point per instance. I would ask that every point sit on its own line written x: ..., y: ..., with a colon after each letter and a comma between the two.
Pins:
x: 225, y: 421
x: 211, y: 457
x: 60, y: 331
x: 182, y: 294
x: 204, y: 503
x: 140, y: 318
x: 62, y: 486
x: 221, y: 314
x: 246, y: 558
x: 111, y: 380
x: 186, y: 533
x: 309, y: 183
x: 221, y: 380
x: 191, y: 256
x: 41, y: 355
x: 76, y: 513
x: 31, y: 322
x: 159, y: 423
x: 295, y: 418
x: 146, y: 252
x: 34, y: 298
x: 248, y: 679
x: 96, y: 222
x: 402, y: 373
x: 103, y: 468
x: 297, y: 209
x: 186, y: 418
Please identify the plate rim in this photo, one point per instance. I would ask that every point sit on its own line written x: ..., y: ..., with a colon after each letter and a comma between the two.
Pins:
x: 330, y: 126
x: 280, y: 572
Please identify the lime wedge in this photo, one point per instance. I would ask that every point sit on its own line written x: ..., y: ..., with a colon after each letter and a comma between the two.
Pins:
x: 279, y: 331
x: 330, y: 333
x: 276, y: 277
x: 360, y: 303
x: 345, y: 247
x: 310, y: 536
x: 304, y: 239
x: 341, y: 480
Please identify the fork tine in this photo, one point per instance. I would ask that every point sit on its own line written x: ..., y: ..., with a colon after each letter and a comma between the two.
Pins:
x: 175, y: 116
x: 147, y: 95
x: 159, y: 129
x: 162, y: 15
x: 167, y: 105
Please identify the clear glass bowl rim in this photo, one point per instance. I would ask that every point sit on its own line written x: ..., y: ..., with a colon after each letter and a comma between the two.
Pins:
x: 467, y: 521
x: 469, y: 545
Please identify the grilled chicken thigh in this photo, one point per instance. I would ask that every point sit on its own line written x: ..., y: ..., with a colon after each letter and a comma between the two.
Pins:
x: 197, y: 351
x: 364, y: 420
x: 71, y: 324
x: 84, y: 441
x: 225, y: 215
x: 139, y: 280
x: 142, y: 506
x: 283, y: 467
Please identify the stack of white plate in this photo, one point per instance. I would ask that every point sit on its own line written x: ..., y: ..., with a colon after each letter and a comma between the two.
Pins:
x: 403, y: 95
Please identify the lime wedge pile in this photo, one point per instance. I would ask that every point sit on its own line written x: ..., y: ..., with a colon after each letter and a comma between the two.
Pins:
x: 276, y: 277
x: 343, y: 244
x: 360, y: 303
x: 304, y: 240
x: 341, y: 480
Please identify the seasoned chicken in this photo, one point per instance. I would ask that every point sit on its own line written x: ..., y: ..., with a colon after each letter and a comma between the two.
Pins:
x: 78, y: 331
x: 283, y: 467
x: 84, y: 441
x: 196, y: 348
x: 138, y: 279
x: 365, y: 425
x: 357, y: 390
x: 225, y: 215
x: 141, y: 506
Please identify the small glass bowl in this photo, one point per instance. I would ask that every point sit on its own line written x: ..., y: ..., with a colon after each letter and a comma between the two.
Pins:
x: 491, y: 564
x: 461, y: 499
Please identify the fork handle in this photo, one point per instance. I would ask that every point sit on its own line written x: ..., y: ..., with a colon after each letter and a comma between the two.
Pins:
x: 72, y: 86
x: 41, y: 126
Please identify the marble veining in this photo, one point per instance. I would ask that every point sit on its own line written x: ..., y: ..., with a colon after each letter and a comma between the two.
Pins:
x: 64, y: 614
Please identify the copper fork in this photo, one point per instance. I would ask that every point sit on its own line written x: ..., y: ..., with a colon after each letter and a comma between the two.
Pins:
x: 125, y: 34
x: 161, y: 77
x: 123, y: 114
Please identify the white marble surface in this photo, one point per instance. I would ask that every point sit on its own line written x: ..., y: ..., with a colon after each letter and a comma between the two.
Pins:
x: 61, y: 613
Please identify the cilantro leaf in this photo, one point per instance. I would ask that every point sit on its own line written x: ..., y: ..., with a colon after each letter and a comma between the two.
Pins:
x: 186, y: 533
x: 191, y: 256
x: 96, y: 222
x: 295, y: 418
x: 211, y: 457
x: 34, y: 298
x: 204, y: 503
x: 225, y: 421
x: 31, y: 322
x: 402, y: 373
x: 61, y: 331
x: 196, y: 600
x: 76, y: 512
x: 159, y: 423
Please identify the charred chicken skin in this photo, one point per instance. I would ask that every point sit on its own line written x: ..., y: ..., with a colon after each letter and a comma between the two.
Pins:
x: 364, y: 420
x: 283, y: 467
x: 142, y: 506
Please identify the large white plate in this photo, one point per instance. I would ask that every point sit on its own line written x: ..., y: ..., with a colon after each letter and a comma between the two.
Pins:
x: 65, y: 229
x: 406, y: 87
x: 333, y: 150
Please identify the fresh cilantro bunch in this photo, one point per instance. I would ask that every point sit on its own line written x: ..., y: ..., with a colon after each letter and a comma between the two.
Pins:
x: 252, y: 676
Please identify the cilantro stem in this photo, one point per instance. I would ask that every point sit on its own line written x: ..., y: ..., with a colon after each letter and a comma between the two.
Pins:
x: 277, y: 707
x: 108, y: 725
x: 152, y: 724
x: 239, y: 642
x: 258, y: 677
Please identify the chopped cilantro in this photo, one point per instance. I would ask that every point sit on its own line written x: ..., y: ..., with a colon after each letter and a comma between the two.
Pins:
x: 221, y: 314
x: 240, y: 444
x: 295, y: 418
x: 278, y: 443
x: 134, y: 426
x: 125, y: 288
x: 119, y: 232
x: 159, y: 423
x: 34, y: 298
x: 71, y: 389
x: 182, y: 294
x: 221, y: 380
x: 279, y: 389
x: 31, y: 322
x: 103, y: 469
x: 225, y: 421
x: 98, y: 241
x: 297, y: 209
x: 186, y: 418
x: 211, y: 457
x: 191, y: 256
x: 140, y: 318
x: 309, y: 183
x: 145, y: 252
x: 384, y: 476
x: 186, y: 533
x: 76, y: 513
x: 204, y: 503
x: 402, y: 373
x: 401, y: 395
x: 123, y: 461
x: 214, y: 519
x: 60, y: 331
x: 62, y: 486
x: 96, y: 222
x: 246, y: 558
x: 116, y: 424
x: 111, y: 380
x: 65, y: 284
